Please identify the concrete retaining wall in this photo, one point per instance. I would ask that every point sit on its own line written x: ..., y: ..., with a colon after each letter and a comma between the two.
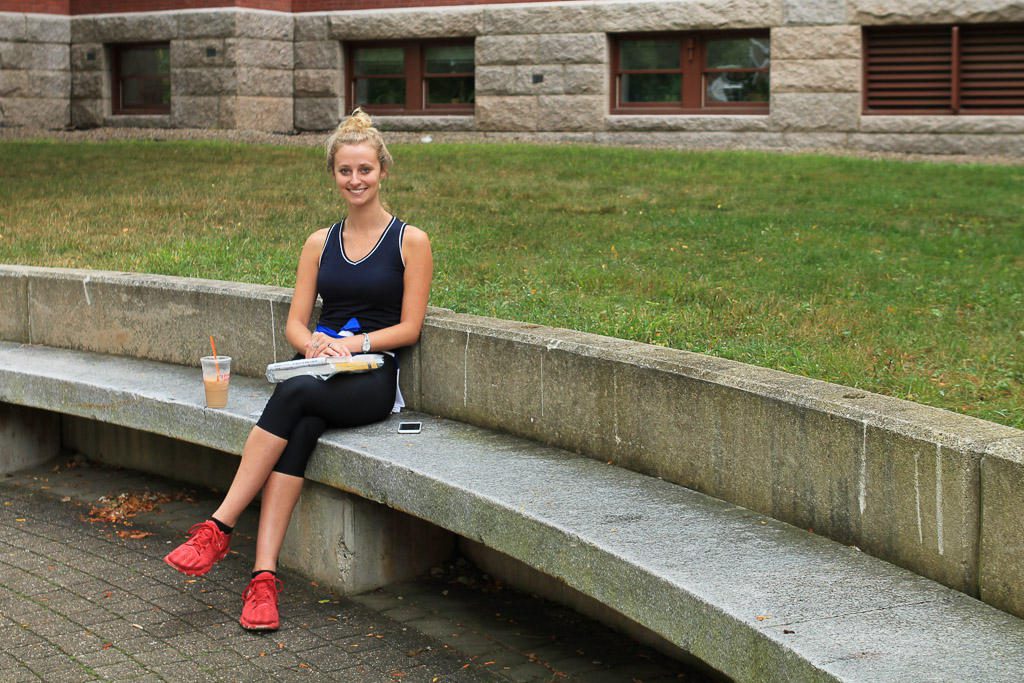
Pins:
x: 933, y: 491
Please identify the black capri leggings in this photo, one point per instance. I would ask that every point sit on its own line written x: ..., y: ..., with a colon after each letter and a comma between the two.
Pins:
x: 302, y: 407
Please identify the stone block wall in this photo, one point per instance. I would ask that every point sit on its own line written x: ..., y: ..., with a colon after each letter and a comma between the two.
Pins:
x: 229, y: 68
x: 542, y: 71
x: 35, y: 70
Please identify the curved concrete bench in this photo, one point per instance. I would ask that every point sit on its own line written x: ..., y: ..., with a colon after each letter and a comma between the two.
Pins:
x: 755, y: 598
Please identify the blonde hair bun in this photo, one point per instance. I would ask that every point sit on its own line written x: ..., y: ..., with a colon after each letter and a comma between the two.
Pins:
x: 358, y: 129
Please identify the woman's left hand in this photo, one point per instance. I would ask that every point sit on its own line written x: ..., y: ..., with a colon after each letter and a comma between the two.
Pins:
x: 335, y: 347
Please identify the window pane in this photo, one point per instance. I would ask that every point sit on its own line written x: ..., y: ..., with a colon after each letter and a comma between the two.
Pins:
x: 648, y: 54
x: 375, y: 61
x: 450, y: 90
x: 380, y: 91
x: 652, y: 87
x: 738, y: 53
x: 145, y: 61
x: 737, y: 87
x: 131, y: 93
x: 449, y: 59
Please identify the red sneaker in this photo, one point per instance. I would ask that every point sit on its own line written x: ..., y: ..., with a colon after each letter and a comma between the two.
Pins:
x: 259, y: 607
x: 206, y: 546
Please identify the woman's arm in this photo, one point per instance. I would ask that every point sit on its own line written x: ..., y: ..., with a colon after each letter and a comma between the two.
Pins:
x: 419, y: 271
x: 304, y: 298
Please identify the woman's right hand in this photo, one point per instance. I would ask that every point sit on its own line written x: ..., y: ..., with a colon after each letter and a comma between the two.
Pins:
x: 322, y: 345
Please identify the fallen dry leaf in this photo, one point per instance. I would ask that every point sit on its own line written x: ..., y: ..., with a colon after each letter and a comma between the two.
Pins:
x: 134, y: 535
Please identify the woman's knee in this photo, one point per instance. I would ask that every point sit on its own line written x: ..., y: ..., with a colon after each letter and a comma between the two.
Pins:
x: 301, y: 443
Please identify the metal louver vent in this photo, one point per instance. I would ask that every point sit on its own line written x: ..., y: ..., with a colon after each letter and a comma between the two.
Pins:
x: 992, y: 68
x: 909, y: 69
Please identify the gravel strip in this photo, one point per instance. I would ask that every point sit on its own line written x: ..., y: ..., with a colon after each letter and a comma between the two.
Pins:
x: 316, y: 139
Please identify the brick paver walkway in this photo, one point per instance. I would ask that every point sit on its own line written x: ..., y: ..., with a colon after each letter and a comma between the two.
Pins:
x: 82, y: 601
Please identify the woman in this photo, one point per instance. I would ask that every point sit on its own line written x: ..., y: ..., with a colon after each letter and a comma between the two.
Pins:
x: 373, y: 273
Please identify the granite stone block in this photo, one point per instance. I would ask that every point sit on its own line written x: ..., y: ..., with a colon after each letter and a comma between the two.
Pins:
x: 816, y: 111
x: 264, y: 25
x: 88, y: 113
x: 255, y: 52
x: 506, y: 49
x: 87, y: 85
x: 511, y: 113
x: 199, y: 54
x: 47, y: 29
x: 207, y: 24
x: 208, y: 81
x: 317, y: 83
x: 433, y: 22
x: 816, y: 42
x: 571, y: 112
x: 321, y: 54
x: 265, y: 82
x: 816, y: 75
x: 13, y: 27
x: 572, y: 48
x: 311, y: 27
x: 814, y: 11
x: 317, y: 113
x: 90, y: 57
x: 51, y: 113
x: 274, y: 114
x: 871, y: 12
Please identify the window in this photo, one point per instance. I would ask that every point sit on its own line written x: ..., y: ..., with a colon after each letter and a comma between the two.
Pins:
x: 412, y: 78
x: 971, y: 69
x: 691, y: 73
x: 141, y: 79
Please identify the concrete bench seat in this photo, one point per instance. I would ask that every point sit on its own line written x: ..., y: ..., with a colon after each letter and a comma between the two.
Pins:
x: 756, y: 599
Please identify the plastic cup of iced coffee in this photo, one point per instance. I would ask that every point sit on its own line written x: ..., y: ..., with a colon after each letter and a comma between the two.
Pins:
x: 216, y: 375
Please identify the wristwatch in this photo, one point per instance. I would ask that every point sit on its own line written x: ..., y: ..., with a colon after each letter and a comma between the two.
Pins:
x: 366, y: 343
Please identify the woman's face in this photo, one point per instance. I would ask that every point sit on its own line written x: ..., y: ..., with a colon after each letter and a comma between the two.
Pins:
x: 357, y: 173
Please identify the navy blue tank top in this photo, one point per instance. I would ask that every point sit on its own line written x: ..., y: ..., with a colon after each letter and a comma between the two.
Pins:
x: 370, y: 289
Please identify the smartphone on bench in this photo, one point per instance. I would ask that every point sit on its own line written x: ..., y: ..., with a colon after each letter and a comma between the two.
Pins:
x: 410, y: 427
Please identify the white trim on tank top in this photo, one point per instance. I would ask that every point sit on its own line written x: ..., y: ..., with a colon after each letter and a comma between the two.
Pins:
x: 341, y: 242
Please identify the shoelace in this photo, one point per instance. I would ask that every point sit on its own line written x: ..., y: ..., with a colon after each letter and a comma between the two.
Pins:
x: 201, y: 535
x: 263, y: 590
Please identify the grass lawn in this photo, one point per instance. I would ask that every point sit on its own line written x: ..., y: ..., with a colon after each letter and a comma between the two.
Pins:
x: 902, y: 278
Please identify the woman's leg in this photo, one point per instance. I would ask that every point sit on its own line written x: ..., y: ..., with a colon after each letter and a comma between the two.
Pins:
x: 282, y: 491
x: 279, y: 497
x: 260, y: 454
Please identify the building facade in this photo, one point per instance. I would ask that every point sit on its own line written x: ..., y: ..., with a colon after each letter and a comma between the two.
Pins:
x: 925, y: 76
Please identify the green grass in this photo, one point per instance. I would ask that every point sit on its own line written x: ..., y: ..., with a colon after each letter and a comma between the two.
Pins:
x: 901, y: 278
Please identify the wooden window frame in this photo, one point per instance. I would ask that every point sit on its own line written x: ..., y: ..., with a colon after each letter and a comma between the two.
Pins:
x: 116, y: 51
x: 956, y: 106
x: 415, y: 79
x: 691, y: 52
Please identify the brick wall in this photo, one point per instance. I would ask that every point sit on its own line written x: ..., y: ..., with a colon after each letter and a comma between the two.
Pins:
x: 38, y: 6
